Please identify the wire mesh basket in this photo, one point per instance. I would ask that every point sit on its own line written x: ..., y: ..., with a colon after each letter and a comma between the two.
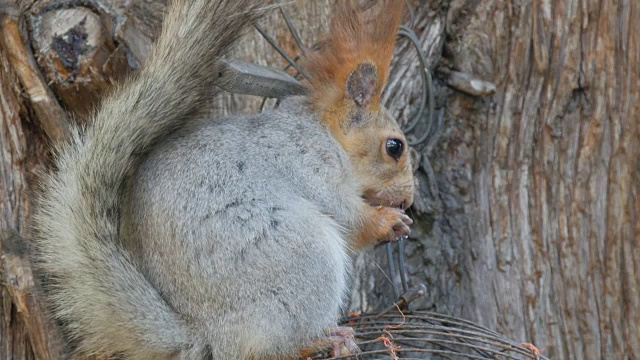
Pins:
x: 427, y: 335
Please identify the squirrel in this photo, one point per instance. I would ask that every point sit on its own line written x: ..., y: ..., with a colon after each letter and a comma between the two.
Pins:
x: 166, y: 234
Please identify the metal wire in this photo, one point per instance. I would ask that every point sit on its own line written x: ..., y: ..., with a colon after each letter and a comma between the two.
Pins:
x: 428, y: 96
x: 401, y: 264
x: 413, y: 334
x: 292, y: 30
x: 392, y: 270
x: 281, y: 51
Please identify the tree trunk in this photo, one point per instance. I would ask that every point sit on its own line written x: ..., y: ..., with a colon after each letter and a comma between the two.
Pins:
x: 528, y: 205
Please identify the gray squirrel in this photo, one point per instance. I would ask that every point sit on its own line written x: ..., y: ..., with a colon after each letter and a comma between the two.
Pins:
x: 166, y: 234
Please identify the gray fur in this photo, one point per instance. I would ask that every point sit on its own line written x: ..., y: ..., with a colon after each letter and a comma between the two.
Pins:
x: 258, y: 205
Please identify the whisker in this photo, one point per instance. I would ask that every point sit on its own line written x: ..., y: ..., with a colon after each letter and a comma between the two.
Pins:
x: 381, y: 270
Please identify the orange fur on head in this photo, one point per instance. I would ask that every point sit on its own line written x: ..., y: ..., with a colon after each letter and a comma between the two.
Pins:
x: 353, y: 39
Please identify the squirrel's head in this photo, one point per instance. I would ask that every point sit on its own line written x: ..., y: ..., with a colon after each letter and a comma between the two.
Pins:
x: 348, y: 74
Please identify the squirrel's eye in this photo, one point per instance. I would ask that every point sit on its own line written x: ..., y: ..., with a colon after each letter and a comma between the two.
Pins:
x: 394, y: 148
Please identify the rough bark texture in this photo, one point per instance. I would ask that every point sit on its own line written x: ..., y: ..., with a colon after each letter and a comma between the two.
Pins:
x: 527, y: 214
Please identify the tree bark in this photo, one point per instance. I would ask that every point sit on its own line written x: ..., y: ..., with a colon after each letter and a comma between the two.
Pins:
x: 528, y: 204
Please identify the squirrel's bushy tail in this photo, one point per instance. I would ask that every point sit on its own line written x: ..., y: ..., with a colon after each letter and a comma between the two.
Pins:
x: 95, y: 289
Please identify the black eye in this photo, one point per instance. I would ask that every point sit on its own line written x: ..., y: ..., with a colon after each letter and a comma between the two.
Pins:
x: 394, y: 148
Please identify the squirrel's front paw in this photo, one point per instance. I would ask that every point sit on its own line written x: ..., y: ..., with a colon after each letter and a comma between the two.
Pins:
x: 393, y: 223
x: 381, y: 224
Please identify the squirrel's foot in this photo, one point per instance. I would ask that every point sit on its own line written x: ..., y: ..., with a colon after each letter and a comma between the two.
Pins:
x: 344, y: 340
x: 339, y: 340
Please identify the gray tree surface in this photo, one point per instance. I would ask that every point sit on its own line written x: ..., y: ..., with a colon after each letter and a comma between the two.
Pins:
x: 528, y: 212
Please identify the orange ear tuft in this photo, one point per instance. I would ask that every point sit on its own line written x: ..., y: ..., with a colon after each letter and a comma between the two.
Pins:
x: 355, y: 56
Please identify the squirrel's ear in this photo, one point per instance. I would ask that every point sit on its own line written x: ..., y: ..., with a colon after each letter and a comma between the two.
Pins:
x: 362, y: 84
x: 352, y: 64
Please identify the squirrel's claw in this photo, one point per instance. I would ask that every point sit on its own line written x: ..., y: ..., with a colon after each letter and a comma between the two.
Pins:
x: 397, y: 224
x: 339, y: 340
x: 401, y: 228
x: 346, y: 341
